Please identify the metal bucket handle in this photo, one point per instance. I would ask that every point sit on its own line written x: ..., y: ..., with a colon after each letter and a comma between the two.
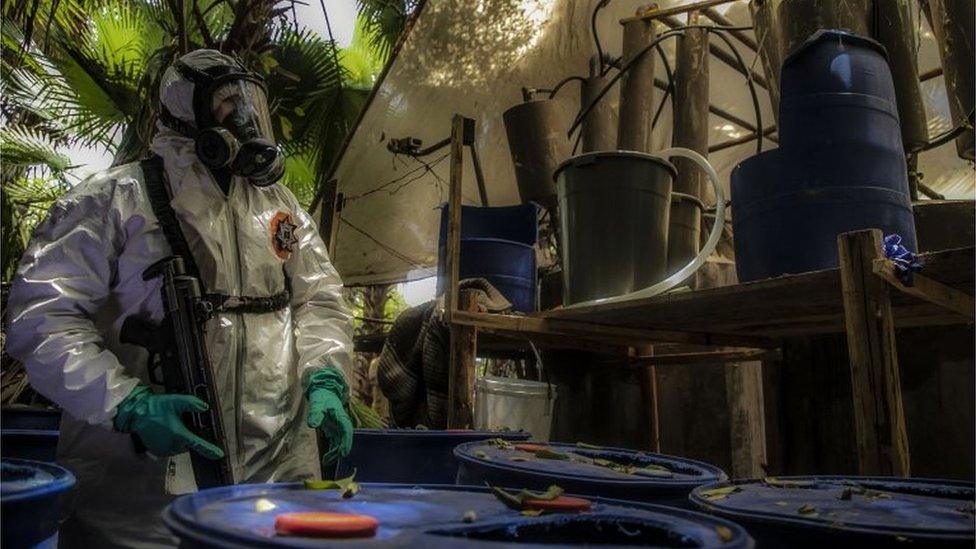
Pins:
x: 543, y: 373
x: 693, y: 265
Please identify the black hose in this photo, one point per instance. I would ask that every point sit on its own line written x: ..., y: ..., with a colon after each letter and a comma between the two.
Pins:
x: 669, y: 92
x: 596, y: 36
x: 752, y: 86
x: 563, y: 82
x: 584, y: 111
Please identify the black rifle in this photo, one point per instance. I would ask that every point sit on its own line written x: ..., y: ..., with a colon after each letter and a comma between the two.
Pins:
x: 180, y: 354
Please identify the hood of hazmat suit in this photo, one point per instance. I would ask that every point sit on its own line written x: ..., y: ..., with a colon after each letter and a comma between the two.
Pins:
x: 81, y: 277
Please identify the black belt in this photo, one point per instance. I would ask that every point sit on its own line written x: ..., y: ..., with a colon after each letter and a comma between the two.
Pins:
x: 159, y: 200
x: 245, y: 304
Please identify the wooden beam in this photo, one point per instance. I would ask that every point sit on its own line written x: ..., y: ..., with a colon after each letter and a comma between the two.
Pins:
x: 927, y: 289
x: 710, y: 357
x: 725, y: 57
x: 747, y: 40
x: 464, y: 349
x: 454, y: 217
x: 879, y: 417
x: 527, y: 325
x: 655, y: 13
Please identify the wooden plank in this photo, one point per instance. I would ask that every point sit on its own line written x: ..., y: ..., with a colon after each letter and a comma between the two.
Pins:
x: 879, y: 417
x: 527, y: 325
x: 464, y: 349
x: 795, y: 304
x: 712, y: 357
x: 655, y: 13
x: 454, y: 216
x: 927, y: 289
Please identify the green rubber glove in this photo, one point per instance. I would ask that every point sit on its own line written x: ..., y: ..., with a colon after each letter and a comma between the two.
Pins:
x: 327, y: 392
x: 156, y: 419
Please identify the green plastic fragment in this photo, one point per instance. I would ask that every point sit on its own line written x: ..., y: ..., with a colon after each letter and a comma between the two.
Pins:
x: 716, y: 494
x: 515, y: 501
x: 348, y: 486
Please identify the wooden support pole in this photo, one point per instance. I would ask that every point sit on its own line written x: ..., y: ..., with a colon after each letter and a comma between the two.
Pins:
x: 454, y: 217
x: 649, y: 397
x: 464, y: 348
x: 331, y: 210
x: 879, y: 417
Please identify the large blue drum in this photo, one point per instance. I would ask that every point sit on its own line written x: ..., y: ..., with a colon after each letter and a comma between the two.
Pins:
x: 435, y: 517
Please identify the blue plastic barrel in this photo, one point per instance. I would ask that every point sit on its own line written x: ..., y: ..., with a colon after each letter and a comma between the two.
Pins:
x: 829, y: 511
x: 784, y: 224
x: 497, y: 244
x: 35, y: 444
x: 29, y: 492
x: 644, y: 477
x: 432, y: 517
x: 840, y: 165
x: 414, y: 456
x: 22, y: 417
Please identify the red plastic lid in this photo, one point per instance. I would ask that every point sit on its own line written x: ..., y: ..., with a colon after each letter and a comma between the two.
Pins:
x: 529, y: 447
x: 326, y: 525
x: 562, y: 503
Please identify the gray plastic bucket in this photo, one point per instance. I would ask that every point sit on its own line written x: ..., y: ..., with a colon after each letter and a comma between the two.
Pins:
x: 684, y: 230
x: 614, y: 211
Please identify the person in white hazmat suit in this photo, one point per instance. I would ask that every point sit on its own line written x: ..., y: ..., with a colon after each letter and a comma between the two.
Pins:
x: 280, y: 339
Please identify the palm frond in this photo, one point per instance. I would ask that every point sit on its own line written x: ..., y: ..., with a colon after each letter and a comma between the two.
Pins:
x: 303, y: 84
x: 384, y: 21
x: 25, y: 151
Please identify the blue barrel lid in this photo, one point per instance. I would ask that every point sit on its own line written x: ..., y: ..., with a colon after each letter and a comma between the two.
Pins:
x: 838, y: 35
x: 414, y: 516
x: 600, y: 465
x: 31, y: 432
x: 912, y: 508
x: 22, y: 479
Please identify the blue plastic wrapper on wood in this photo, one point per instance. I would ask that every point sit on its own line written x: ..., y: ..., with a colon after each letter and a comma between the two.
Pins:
x: 906, y: 262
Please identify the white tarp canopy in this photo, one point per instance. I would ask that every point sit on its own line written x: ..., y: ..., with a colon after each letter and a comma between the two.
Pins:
x: 473, y: 58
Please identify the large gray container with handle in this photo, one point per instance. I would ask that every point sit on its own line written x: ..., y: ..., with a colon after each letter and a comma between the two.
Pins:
x: 614, y: 209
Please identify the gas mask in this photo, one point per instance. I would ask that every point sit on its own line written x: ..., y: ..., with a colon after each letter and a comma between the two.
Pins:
x: 232, y: 132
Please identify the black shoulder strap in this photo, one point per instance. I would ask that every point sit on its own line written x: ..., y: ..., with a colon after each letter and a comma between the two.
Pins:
x: 152, y: 169
x: 159, y: 200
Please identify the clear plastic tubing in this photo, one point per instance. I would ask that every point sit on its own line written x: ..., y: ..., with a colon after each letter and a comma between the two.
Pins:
x: 692, y: 266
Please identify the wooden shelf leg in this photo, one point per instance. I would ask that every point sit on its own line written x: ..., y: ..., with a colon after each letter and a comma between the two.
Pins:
x: 879, y: 417
x: 464, y: 349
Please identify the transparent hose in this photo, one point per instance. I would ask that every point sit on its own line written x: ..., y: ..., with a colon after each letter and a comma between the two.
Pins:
x: 694, y: 264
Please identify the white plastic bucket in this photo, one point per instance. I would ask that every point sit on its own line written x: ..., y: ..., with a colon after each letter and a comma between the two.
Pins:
x: 505, y: 403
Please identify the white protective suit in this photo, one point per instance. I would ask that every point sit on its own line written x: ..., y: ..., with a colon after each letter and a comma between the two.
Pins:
x: 81, y: 277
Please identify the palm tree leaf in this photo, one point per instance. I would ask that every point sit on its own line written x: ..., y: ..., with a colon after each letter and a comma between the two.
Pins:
x: 303, y: 85
x: 384, y: 21
x: 24, y: 149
